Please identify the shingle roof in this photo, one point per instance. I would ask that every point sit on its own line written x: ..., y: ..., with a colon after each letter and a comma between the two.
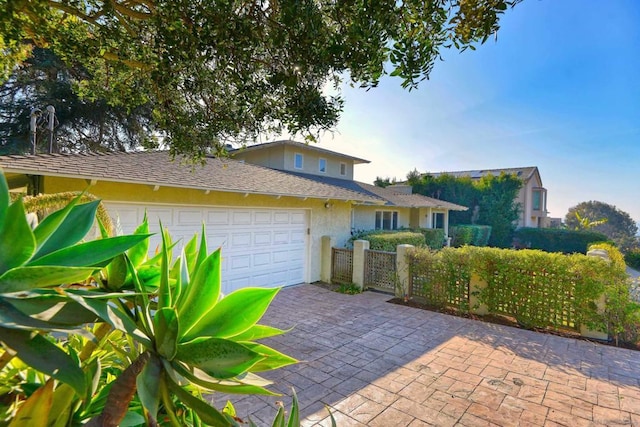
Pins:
x: 156, y: 168
x: 524, y: 173
x: 312, y: 147
x: 391, y: 197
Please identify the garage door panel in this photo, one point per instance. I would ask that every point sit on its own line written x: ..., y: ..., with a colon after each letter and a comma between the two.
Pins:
x: 260, y: 247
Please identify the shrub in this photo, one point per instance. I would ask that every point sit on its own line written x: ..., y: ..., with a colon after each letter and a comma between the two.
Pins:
x: 557, y: 240
x: 632, y: 258
x: 388, y: 240
x: 433, y: 237
x: 474, y: 235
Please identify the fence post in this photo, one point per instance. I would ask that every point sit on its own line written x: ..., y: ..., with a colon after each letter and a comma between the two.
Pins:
x: 402, y: 271
x: 477, y: 285
x: 325, y: 258
x: 600, y: 302
x: 359, y: 246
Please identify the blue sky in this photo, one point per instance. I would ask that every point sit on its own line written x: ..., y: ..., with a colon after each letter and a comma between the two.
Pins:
x: 560, y: 89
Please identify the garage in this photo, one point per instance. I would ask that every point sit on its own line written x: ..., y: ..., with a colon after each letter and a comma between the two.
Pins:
x: 260, y: 247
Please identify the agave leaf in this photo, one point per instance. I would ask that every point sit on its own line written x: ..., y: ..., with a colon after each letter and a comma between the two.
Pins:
x: 148, y: 385
x: 44, y: 356
x: 294, y: 415
x: 278, y: 420
x: 93, y: 253
x: 164, y: 291
x: 142, y: 300
x: 201, y: 295
x: 191, y: 253
x: 273, y: 358
x: 17, y: 243
x: 5, y: 200
x: 60, y: 412
x: 50, y: 306
x: 116, y: 272
x: 206, y: 412
x: 31, y: 277
x: 34, y: 412
x: 138, y: 253
x: 202, y: 252
x: 165, y: 322
x: 65, y: 227
x: 217, y: 357
x: 257, y: 332
x: 132, y: 419
x: 234, y: 314
x: 12, y: 318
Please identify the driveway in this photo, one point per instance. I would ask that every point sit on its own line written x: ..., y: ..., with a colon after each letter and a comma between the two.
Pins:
x: 380, y: 364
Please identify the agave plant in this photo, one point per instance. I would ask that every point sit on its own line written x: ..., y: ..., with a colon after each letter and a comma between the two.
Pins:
x: 137, y: 339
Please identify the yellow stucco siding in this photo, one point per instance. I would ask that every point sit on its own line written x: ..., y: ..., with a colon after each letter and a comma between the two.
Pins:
x: 311, y: 160
x: 334, y: 221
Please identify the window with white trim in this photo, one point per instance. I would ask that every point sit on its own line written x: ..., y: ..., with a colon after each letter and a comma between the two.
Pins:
x: 437, y: 220
x: 343, y: 169
x: 386, y: 220
x: 297, y: 161
x: 322, y: 165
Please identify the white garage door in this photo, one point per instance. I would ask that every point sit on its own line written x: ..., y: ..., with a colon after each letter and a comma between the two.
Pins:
x: 260, y: 247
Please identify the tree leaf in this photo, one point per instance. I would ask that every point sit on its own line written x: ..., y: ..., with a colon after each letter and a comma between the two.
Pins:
x: 217, y: 357
x: 32, y: 277
x: 148, y: 385
x: 17, y: 243
x: 91, y: 253
x: 166, y: 325
x: 74, y: 227
x: 234, y: 314
x: 206, y: 412
x: 34, y: 412
x: 201, y: 295
x: 273, y: 359
x: 44, y: 356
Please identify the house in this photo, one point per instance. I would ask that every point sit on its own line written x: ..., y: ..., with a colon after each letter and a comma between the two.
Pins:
x: 268, y: 222
x: 532, y: 196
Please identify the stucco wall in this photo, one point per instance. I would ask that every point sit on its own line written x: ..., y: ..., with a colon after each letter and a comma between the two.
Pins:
x: 334, y: 221
x: 365, y: 216
x: 271, y: 158
x: 310, y: 162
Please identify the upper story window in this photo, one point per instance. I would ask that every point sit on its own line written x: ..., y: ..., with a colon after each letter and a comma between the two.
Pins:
x: 322, y: 165
x: 386, y: 220
x: 297, y: 161
x: 539, y: 202
x: 343, y: 169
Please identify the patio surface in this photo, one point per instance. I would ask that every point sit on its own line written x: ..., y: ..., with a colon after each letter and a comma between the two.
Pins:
x: 380, y: 364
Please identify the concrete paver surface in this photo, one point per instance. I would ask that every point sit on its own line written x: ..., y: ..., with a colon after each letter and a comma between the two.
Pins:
x: 379, y: 364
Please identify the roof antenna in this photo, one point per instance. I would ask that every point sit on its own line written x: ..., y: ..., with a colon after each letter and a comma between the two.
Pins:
x: 51, y: 124
x: 35, y: 115
x: 47, y: 121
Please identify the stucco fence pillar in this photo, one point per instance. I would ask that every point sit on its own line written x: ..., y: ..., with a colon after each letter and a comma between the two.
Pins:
x: 600, y: 302
x: 402, y: 271
x: 359, y: 246
x: 325, y: 258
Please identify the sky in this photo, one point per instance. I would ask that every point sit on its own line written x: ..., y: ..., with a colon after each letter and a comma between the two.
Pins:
x: 559, y: 89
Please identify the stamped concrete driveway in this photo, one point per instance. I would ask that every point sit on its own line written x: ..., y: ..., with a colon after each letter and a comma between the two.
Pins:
x: 380, y: 364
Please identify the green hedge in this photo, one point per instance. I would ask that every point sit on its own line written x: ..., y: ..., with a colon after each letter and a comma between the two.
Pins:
x: 433, y: 237
x: 537, y: 288
x: 556, y: 240
x: 388, y: 240
x: 632, y: 258
x: 474, y: 235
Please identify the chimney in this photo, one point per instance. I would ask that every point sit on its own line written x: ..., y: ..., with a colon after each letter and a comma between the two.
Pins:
x: 401, y: 188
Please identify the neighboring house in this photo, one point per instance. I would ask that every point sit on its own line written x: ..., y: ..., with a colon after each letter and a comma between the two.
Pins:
x: 532, y: 196
x: 269, y: 223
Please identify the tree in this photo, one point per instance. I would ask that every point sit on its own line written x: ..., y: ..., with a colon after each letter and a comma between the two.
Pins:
x: 619, y: 227
x: 82, y: 124
x: 383, y: 182
x: 491, y: 201
x: 219, y: 71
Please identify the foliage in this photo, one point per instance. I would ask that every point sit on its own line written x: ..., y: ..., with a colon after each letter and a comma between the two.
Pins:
x: 491, y: 201
x: 389, y: 240
x: 474, y: 235
x: 586, y: 223
x: 539, y: 289
x: 226, y: 70
x: 556, y: 239
x: 163, y: 329
x: 349, y: 289
x: 383, y: 182
x: 82, y: 124
x: 619, y: 227
x: 433, y: 237
x: 632, y: 258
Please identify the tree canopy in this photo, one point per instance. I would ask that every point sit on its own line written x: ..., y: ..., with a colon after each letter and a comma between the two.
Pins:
x: 225, y: 70
x: 619, y: 226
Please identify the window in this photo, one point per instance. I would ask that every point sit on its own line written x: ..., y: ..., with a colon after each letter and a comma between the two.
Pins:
x: 297, y: 161
x: 536, y: 200
x: 322, y: 165
x: 343, y: 169
x: 386, y: 220
x: 437, y: 220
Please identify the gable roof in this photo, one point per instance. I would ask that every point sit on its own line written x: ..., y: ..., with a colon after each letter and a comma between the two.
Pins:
x: 390, y: 197
x: 524, y: 173
x: 157, y: 168
x: 302, y: 146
